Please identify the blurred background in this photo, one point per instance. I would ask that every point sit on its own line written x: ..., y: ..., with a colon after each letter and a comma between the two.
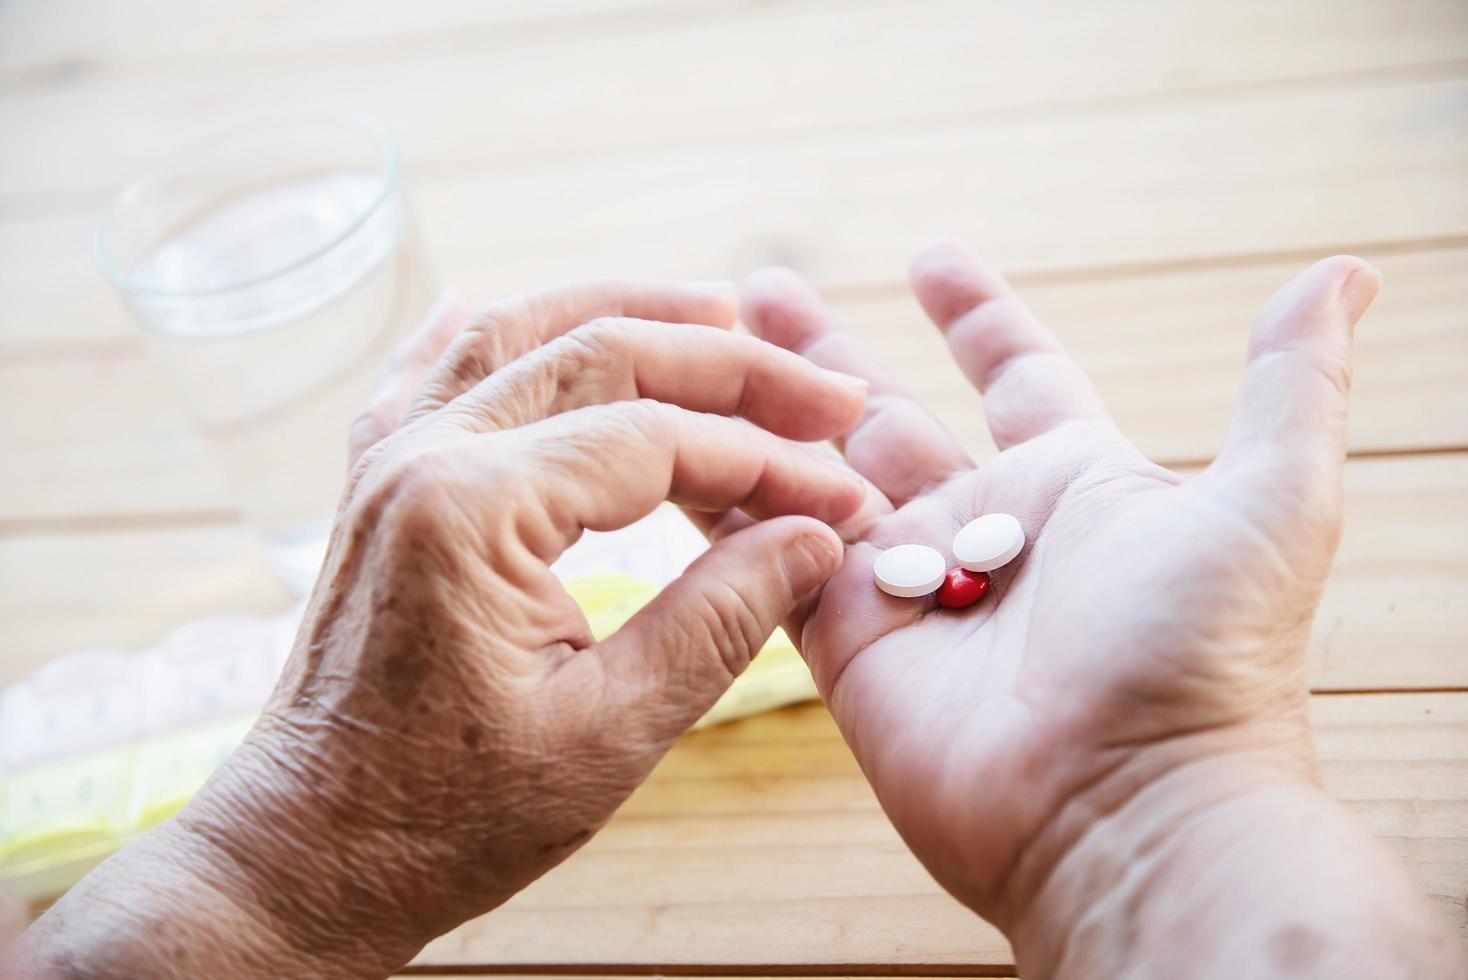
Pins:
x: 1147, y: 173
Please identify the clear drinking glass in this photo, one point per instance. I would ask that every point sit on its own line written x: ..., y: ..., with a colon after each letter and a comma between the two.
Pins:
x: 273, y: 265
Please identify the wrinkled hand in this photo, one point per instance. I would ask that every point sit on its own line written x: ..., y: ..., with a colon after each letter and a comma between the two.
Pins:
x: 447, y: 728
x: 1151, y: 624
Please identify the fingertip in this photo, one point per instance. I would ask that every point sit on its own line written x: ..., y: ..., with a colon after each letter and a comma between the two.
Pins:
x: 722, y: 297
x: 773, y: 277
x: 1339, y: 267
x: 949, y: 280
x: 821, y: 489
x: 1324, y: 300
x: 1359, y: 289
x: 853, y: 392
x: 769, y: 284
x: 1348, y: 280
x: 943, y: 250
x: 852, y: 499
x: 810, y: 556
x: 779, y: 306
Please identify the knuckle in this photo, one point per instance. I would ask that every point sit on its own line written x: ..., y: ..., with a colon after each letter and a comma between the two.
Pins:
x: 484, y: 345
x: 601, y: 343
x: 644, y: 416
x: 370, y: 426
x: 600, y: 334
x: 731, y: 627
x: 410, y: 492
x: 588, y: 364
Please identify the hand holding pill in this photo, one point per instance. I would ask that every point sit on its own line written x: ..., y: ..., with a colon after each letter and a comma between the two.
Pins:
x: 1074, y: 678
x: 1124, y: 608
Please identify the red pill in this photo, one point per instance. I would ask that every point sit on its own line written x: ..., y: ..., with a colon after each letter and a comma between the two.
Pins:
x: 962, y: 587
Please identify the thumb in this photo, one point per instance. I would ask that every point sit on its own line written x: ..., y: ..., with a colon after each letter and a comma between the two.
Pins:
x: 673, y: 659
x: 1287, y: 441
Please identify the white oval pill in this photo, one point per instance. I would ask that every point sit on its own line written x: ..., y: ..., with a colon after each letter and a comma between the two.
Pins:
x: 988, y: 542
x: 910, y: 570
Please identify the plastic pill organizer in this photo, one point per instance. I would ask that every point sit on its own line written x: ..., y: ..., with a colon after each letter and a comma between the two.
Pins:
x: 101, y: 745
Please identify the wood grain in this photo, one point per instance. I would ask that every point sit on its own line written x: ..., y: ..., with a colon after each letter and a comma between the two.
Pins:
x: 1183, y: 182
x: 672, y: 76
x: 101, y: 437
x: 1182, y: 43
x: 1395, y: 613
x: 760, y: 843
x: 1139, y: 189
x: 123, y: 589
x: 47, y: 45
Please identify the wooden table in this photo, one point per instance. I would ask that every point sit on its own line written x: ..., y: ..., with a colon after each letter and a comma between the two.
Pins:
x: 1148, y: 173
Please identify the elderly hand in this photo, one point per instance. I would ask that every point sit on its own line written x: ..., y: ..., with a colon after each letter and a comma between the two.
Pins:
x: 1078, y: 757
x: 447, y: 729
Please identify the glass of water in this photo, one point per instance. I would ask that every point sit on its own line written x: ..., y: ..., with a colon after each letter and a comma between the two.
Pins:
x: 274, y: 266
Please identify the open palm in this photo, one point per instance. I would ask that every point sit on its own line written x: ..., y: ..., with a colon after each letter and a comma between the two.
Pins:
x: 1150, y: 621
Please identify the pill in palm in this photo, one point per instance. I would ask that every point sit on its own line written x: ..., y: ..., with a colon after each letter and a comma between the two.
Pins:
x: 962, y: 588
x: 988, y: 542
x: 909, y: 570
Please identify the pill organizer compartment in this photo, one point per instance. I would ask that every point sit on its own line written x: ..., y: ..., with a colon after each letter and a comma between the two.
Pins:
x: 202, y: 690
x: 66, y: 746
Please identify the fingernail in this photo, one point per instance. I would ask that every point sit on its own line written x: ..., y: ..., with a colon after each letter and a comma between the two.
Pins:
x: 1357, y: 291
x: 850, y: 382
x: 856, y: 488
x: 809, y: 561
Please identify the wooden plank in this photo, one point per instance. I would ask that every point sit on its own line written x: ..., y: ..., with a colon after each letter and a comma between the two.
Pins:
x: 54, y: 296
x: 123, y: 589
x: 1175, y: 184
x: 1395, y: 613
x: 1165, y: 348
x: 43, y: 42
x: 101, y: 437
x: 1302, y: 172
x: 1394, y: 616
x: 1399, y: 762
x: 1306, y: 173
x: 680, y: 80
x: 760, y: 844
